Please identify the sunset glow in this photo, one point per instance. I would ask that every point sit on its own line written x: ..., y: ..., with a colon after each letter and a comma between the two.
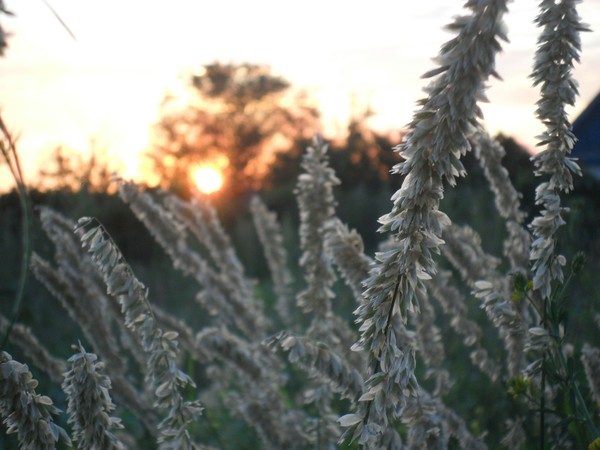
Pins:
x: 208, y: 179
x: 110, y: 85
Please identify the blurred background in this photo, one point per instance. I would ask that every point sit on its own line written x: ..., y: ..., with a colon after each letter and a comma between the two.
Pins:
x: 96, y: 80
x: 220, y: 99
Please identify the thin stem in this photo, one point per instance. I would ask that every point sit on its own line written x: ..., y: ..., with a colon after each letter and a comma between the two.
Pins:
x: 586, y: 413
x: 62, y: 22
x: 385, y: 333
x: 543, y: 389
x: 570, y: 381
x: 15, y: 168
x: 580, y: 399
x: 535, y: 306
x: 564, y: 287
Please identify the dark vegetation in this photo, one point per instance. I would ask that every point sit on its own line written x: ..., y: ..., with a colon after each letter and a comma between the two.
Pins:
x: 362, y: 197
x: 227, y: 119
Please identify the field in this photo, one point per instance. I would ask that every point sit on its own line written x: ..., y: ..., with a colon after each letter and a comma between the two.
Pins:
x: 463, y: 314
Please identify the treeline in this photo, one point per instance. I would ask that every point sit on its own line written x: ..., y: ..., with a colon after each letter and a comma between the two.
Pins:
x: 363, y: 196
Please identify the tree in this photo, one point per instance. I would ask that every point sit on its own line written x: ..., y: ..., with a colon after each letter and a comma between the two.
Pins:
x: 238, y: 118
x: 364, y: 156
x: 68, y: 170
x: 361, y: 157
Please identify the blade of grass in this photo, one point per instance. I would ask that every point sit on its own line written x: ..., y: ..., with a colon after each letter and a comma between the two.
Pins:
x: 9, y: 152
x: 62, y: 22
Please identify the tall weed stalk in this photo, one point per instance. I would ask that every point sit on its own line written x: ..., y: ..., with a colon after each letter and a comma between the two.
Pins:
x: 11, y: 157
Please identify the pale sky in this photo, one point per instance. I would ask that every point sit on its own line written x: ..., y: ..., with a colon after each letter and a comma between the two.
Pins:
x: 107, y: 84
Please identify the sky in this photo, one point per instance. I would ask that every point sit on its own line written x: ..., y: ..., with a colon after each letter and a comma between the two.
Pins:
x: 106, y: 85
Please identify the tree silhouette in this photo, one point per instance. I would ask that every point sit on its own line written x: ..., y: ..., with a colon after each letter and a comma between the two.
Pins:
x: 361, y: 158
x: 238, y: 117
x: 365, y: 156
x: 68, y: 170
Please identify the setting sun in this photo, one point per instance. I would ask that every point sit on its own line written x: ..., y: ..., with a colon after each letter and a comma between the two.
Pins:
x: 208, y: 179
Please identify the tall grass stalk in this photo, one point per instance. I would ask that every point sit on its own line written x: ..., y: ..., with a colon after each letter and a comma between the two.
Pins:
x: 162, y: 376
x: 11, y: 157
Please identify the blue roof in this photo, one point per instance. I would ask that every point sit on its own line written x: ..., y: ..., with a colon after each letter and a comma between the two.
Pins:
x: 587, y: 129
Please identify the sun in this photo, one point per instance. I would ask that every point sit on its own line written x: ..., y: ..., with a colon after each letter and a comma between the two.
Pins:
x: 208, y: 179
